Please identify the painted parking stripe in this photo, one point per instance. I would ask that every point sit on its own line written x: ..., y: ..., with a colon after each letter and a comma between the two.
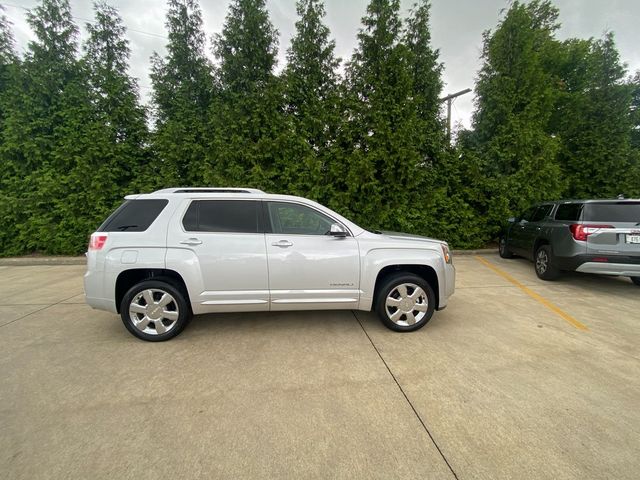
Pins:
x: 557, y: 310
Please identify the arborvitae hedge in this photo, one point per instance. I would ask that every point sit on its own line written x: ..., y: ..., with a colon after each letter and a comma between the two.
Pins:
x: 553, y: 118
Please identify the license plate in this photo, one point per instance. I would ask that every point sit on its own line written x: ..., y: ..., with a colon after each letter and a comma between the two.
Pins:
x: 633, y: 238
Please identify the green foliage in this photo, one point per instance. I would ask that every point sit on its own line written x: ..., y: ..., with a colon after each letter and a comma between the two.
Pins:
x: 183, y: 92
x: 553, y: 118
x: 251, y: 141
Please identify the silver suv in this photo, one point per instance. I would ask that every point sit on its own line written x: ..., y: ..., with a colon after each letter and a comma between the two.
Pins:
x: 164, y: 256
x: 592, y: 236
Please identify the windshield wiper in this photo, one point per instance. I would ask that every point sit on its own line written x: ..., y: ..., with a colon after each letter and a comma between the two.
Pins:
x: 122, y: 228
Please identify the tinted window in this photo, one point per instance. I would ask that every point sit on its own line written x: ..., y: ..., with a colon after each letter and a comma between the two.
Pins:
x: 222, y: 216
x: 569, y: 211
x: 541, y: 212
x: 528, y: 214
x: 134, y: 216
x: 291, y: 218
x: 612, y: 212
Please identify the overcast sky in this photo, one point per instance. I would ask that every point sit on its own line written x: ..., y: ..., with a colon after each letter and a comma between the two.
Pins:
x: 456, y: 26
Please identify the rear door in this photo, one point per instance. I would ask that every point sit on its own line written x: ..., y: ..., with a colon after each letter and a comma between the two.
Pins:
x: 220, y: 245
x: 614, y: 227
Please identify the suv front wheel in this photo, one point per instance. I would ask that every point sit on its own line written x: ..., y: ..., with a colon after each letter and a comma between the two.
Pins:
x: 405, y: 302
x: 545, y: 269
x: 154, y: 311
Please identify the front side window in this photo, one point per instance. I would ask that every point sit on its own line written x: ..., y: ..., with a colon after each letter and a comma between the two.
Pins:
x: 224, y: 216
x: 528, y: 214
x: 294, y: 219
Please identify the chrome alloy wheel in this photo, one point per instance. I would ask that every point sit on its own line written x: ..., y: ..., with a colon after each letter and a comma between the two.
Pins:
x: 406, y: 304
x: 542, y: 261
x: 153, y: 311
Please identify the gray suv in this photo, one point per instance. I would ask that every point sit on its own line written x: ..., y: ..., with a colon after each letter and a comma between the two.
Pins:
x: 592, y: 236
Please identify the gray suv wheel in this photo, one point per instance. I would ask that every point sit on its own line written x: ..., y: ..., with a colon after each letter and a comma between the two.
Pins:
x: 545, y: 269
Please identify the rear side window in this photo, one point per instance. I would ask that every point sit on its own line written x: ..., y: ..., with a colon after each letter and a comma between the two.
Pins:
x: 569, y: 211
x: 541, y: 213
x: 134, y: 216
x: 628, y: 212
x: 231, y: 216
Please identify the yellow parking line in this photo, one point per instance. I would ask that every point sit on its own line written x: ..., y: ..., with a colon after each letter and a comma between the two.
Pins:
x: 534, y: 295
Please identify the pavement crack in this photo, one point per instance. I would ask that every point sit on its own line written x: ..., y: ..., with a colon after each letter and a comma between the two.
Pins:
x: 424, y: 426
x: 39, y: 310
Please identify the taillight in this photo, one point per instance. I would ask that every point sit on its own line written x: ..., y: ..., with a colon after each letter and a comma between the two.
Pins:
x: 581, y: 232
x: 97, y: 241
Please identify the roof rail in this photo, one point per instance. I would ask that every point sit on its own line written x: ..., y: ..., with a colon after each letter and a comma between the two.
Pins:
x: 209, y: 190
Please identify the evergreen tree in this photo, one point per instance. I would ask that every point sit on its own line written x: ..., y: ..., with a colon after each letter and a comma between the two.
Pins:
x: 515, y: 97
x: 182, y: 91
x: 37, y: 116
x: 427, y: 79
x: 250, y: 137
x: 312, y: 100
x: 593, y: 119
x: 8, y: 63
x: 116, y: 99
x: 381, y: 175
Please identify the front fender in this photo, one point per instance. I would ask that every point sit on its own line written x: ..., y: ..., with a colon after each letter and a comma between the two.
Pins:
x: 376, y: 259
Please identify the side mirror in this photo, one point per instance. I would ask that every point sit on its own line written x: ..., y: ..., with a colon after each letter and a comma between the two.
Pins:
x: 512, y: 220
x: 337, y: 230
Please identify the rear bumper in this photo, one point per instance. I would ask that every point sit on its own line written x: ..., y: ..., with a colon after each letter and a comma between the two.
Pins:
x: 624, y: 269
x: 602, y: 264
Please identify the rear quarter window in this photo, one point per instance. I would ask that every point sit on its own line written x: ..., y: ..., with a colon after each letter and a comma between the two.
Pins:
x: 134, y: 216
x: 569, y: 212
x: 623, y: 212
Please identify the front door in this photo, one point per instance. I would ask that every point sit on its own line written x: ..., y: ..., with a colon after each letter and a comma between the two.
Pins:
x: 308, y: 268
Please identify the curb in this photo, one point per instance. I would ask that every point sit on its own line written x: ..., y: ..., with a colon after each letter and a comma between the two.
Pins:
x: 35, y: 261
x: 479, y: 251
x: 32, y: 261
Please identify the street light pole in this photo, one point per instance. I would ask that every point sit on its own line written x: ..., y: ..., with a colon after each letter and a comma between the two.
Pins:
x: 449, y: 99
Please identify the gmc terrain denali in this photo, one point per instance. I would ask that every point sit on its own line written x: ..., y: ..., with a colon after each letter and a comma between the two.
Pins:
x: 163, y: 256
x: 591, y: 236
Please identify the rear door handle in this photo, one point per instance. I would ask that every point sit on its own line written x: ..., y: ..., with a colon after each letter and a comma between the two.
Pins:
x: 191, y: 241
x: 282, y: 243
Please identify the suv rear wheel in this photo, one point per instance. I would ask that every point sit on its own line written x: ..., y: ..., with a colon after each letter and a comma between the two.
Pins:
x: 635, y: 280
x: 154, y: 311
x: 545, y: 269
x: 405, y: 302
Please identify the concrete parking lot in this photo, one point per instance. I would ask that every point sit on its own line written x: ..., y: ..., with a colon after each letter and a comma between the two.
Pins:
x: 517, y: 378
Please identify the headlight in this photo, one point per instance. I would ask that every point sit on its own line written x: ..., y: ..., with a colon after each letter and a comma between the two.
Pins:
x: 446, y: 253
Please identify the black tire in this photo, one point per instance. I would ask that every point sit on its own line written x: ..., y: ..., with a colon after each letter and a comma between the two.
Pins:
x: 544, y: 265
x: 177, y: 305
x: 388, y: 286
x: 635, y: 280
x: 503, y: 249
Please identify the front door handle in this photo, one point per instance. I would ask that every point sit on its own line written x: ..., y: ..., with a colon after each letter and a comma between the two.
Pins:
x: 282, y: 243
x: 191, y: 241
